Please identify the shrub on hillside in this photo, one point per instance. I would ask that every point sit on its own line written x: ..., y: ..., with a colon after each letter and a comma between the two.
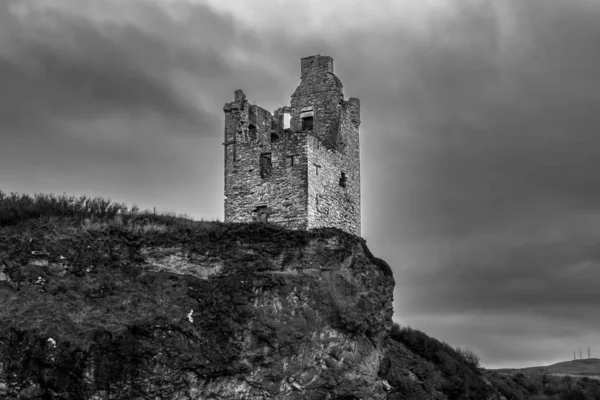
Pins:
x: 462, y: 379
x: 94, y: 214
x: 574, y: 394
x: 15, y: 207
x: 532, y: 383
x: 469, y: 357
x: 449, y: 359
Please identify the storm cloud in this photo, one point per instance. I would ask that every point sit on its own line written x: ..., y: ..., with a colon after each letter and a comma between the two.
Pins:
x: 498, y: 196
x: 479, y: 137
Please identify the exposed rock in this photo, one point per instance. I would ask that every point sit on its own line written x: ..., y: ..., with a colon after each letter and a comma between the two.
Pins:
x: 156, y: 307
x: 230, y: 312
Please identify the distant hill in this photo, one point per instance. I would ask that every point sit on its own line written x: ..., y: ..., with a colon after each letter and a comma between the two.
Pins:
x: 584, y: 367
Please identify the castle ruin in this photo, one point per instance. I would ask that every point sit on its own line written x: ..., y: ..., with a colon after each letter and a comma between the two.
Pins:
x: 298, y: 167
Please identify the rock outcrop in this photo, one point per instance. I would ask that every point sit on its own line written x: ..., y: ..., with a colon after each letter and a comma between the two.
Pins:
x: 137, y: 306
x: 190, y: 311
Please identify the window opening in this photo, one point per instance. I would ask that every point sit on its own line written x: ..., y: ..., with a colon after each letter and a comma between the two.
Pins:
x: 343, y: 180
x: 307, y: 123
x: 291, y: 161
x: 274, y: 137
x: 252, y: 132
x: 317, y: 168
x: 266, y: 166
x: 286, y: 120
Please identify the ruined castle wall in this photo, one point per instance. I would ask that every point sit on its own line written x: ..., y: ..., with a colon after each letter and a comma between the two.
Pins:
x: 319, y: 92
x: 257, y: 189
x: 305, y: 175
x: 334, y: 176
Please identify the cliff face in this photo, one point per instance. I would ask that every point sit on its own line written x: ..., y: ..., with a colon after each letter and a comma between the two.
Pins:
x: 194, y: 311
x: 138, y: 306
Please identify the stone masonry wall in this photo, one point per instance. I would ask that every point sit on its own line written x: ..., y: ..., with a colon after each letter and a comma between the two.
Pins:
x: 303, y: 176
x: 279, y: 197
x: 333, y: 198
x: 320, y: 91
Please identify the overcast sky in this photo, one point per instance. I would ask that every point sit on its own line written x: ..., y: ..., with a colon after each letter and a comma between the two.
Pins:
x: 480, y: 137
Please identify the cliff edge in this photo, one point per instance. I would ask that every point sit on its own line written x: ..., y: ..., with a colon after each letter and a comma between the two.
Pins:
x: 151, y: 307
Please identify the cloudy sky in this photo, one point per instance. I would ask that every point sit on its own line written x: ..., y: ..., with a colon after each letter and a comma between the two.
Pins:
x: 480, y: 137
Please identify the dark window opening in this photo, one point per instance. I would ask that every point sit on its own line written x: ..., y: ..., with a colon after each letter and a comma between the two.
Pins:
x: 343, y: 180
x: 291, y: 161
x: 307, y: 123
x: 274, y: 137
x: 266, y: 166
x: 261, y: 214
x: 252, y: 132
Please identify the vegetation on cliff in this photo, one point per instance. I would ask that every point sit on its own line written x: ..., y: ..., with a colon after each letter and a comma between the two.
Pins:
x: 422, y: 367
x: 102, y: 302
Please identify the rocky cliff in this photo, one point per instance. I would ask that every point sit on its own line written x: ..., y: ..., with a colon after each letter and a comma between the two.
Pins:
x: 100, y: 302
x: 145, y: 308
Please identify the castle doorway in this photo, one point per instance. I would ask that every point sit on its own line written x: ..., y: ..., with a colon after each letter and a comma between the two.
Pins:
x: 261, y: 214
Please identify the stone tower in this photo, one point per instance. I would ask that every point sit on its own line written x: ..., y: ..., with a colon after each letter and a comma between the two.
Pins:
x: 298, y: 167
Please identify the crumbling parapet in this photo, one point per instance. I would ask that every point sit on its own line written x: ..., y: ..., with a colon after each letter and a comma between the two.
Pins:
x: 316, y: 65
x: 300, y: 166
